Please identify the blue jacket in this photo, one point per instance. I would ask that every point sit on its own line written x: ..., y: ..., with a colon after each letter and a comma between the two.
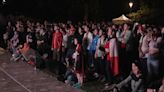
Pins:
x: 94, y: 43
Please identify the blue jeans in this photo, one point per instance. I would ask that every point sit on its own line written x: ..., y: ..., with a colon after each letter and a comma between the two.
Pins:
x: 91, y: 57
x: 152, y: 66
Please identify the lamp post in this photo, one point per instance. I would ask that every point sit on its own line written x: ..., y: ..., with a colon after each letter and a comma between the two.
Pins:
x: 130, y: 5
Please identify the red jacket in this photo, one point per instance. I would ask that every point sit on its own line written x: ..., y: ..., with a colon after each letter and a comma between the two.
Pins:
x: 57, y: 39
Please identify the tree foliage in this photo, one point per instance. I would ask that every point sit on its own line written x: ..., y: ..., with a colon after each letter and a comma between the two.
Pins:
x: 144, y: 14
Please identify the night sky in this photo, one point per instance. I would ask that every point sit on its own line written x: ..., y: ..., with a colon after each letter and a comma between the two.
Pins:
x: 70, y: 9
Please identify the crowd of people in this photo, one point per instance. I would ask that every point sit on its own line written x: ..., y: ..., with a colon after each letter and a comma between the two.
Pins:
x: 79, y: 52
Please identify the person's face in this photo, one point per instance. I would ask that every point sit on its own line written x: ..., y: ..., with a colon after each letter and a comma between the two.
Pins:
x: 93, y: 26
x: 17, y: 22
x: 28, y: 22
x: 86, y: 29
x: 139, y: 28
x: 41, y: 31
x: 28, y: 30
x: 114, y: 27
x: 95, y: 32
x: 155, y: 30
x: 55, y: 28
x: 42, y: 26
x: 61, y: 30
x: 144, y: 26
x: 79, y: 30
x: 9, y: 23
x: 109, y: 31
x: 103, y: 36
x: 37, y: 24
x: 126, y: 27
x: 71, y: 32
x: 75, y: 41
x: 135, y: 69
x: 162, y: 30
x: 45, y: 22
x: 100, y: 33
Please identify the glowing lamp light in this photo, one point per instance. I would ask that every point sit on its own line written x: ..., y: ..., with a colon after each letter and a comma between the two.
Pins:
x: 130, y: 4
x: 3, y: 1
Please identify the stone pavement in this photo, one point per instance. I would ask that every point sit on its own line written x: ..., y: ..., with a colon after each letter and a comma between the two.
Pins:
x: 21, y: 77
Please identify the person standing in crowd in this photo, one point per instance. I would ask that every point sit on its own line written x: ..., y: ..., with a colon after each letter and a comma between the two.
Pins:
x: 143, y: 43
x: 121, y: 51
x: 153, y: 57
x: 50, y: 34
x: 92, y: 49
x: 70, y: 45
x: 42, y: 41
x: 87, y: 41
x: 143, y: 47
x: 64, y: 44
x: 118, y: 33
x: 127, y: 40
x: 56, y: 43
x: 111, y: 48
x: 21, y: 32
x: 88, y: 36
x: 136, y: 36
x: 80, y: 35
x: 56, y: 48
x: 31, y: 37
x: 92, y: 58
x: 100, y: 55
x: 8, y: 34
x: 78, y: 63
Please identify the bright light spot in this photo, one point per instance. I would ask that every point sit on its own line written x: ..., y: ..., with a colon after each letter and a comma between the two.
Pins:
x: 4, y: 1
x: 130, y: 4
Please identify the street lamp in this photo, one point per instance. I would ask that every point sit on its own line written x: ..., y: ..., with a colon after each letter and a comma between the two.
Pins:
x: 130, y: 4
x: 3, y: 1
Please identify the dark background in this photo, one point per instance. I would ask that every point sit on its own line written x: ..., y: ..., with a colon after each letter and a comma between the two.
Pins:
x: 75, y: 9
